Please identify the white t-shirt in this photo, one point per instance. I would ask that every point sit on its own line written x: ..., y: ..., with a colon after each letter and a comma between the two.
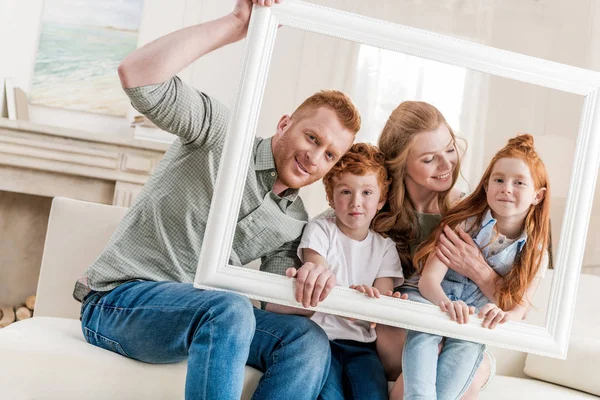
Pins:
x: 353, y: 263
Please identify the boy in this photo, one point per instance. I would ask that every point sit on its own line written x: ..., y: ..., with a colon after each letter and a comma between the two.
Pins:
x: 356, y: 189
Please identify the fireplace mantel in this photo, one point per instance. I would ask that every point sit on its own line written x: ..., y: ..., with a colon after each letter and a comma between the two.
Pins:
x: 52, y: 161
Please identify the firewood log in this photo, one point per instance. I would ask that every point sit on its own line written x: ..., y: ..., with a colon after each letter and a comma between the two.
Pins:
x: 30, y: 302
x: 8, y: 316
x: 22, y: 313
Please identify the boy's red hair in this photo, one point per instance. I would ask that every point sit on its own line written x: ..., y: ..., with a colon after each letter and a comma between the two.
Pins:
x: 361, y: 159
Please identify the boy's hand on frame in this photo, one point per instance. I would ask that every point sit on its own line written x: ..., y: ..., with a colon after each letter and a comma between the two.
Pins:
x: 314, y: 282
x: 396, y: 295
x: 370, y: 291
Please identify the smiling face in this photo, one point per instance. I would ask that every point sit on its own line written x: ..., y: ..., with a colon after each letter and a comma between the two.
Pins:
x: 431, y: 160
x: 306, y: 149
x: 511, y: 190
x: 356, y: 200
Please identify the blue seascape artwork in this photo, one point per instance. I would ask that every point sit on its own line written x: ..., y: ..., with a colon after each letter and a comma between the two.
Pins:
x: 81, y: 45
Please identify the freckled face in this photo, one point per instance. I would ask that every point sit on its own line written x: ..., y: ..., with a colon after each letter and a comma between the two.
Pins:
x: 305, y: 150
x: 356, y: 200
x: 510, y: 189
x: 432, y: 160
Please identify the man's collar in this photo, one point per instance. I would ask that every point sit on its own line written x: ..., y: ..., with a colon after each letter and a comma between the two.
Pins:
x: 264, y: 156
x: 265, y: 162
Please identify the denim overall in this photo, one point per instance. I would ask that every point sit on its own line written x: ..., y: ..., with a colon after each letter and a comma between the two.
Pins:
x: 428, y: 375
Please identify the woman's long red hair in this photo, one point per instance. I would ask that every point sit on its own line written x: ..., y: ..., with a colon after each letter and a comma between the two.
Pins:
x: 511, y: 288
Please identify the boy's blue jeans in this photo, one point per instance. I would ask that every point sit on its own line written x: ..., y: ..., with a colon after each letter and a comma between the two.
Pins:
x: 217, y: 332
x: 431, y: 374
x: 355, y: 372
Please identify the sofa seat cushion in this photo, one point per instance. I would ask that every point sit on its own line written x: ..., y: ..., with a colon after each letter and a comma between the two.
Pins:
x: 579, y: 371
x: 510, y: 388
x: 48, y: 358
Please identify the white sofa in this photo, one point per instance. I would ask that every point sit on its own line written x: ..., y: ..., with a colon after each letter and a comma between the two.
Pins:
x: 46, y: 357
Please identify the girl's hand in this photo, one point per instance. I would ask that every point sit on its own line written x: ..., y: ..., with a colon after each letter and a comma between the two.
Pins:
x: 458, y: 311
x: 459, y: 252
x: 493, y: 315
x: 368, y: 290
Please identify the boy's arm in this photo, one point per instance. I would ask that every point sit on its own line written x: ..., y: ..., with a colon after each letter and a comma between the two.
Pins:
x: 431, y: 279
x: 384, y: 285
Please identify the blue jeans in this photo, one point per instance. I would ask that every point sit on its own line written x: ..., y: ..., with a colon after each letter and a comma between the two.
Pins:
x: 217, y: 332
x: 355, y: 372
x: 431, y: 374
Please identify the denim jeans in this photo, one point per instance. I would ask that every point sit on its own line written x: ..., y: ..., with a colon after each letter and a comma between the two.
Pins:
x: 217, y: 332
x: 355, y: 372
x: 431, y: 374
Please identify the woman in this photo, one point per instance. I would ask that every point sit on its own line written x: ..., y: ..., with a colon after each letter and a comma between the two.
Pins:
x: 423, y: 161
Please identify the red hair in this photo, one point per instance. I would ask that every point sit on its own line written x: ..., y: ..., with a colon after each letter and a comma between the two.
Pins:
x: 339, y: 102
x: 398, y: 218
x: 511, y: 288
x: 361, y: 159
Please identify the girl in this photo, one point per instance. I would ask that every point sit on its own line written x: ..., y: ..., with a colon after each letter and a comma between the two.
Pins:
x: 424, y: 164
x: 508, y: 217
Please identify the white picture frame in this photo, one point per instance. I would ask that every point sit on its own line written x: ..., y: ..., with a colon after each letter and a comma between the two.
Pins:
x: 214, y: 272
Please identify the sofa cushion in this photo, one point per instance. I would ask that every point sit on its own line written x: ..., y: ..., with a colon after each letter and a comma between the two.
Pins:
x: 510, y: 388
x: 48, y: 358
x: 578, y: 371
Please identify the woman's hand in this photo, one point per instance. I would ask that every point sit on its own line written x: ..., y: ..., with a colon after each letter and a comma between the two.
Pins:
x: 492, y: 315
x: 458, y: 311
x: 459, y: 252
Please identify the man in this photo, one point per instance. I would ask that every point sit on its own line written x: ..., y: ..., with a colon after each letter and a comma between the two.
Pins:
x: 138, y: 299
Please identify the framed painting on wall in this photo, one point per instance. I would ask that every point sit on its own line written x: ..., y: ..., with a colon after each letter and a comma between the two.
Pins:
x: 81, y: 45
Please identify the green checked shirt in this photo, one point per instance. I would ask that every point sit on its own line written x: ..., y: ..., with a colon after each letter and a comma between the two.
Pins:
x: 161, y: 236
